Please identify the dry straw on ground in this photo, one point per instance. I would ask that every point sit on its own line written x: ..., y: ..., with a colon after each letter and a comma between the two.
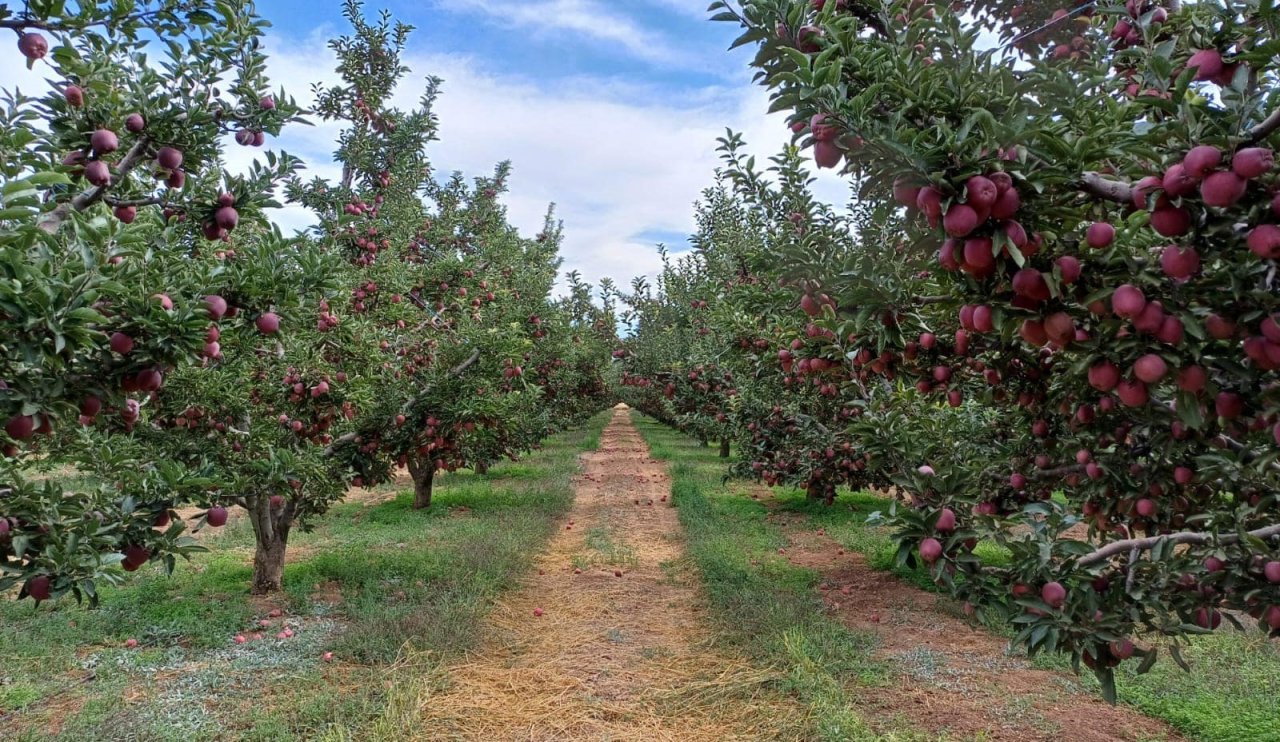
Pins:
x: 611, y: 658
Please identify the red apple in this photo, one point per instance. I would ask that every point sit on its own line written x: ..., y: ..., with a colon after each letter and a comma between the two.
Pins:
x: 981, y: 193
x: 1228, y: 405
x: 1104, y: 376
x: 1054, y: 594
x: 104, y: 141
x: 39, y: 588
x: 1223, y: 189
x: 1253, y: 162
x: 1128, y: 301
x: 1264, y: 241
x: 1150, y: 368
x: 960, y: 220
x: 268, y: 323
x: 1029, y: 283
x: 98, y: 173
x: 1100, y: 235
x: 1200, y: 161
x: 33, y: 46
x: 169, y: 158
x: 1171, y: 221
x: 20, y: 427
x: 1179, y: 262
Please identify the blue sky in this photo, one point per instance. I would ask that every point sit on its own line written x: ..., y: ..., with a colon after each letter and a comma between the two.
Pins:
x: 609, y: 108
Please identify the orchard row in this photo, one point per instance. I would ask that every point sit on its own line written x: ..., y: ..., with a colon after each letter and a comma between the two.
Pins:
x: 1049, y: 324
x: 169, y: 356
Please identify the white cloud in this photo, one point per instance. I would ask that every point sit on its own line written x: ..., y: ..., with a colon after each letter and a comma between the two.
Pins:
x: 616, y: 166
x: 618, y: 159
x: 576, y: 19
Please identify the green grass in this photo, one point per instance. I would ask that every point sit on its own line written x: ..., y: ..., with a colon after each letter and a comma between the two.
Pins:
x: 762, y: 604
x: 1228, y: 697
x: 409, y: 581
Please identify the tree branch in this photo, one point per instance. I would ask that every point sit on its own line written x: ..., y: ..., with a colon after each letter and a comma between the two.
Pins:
x: 1264, y: 129
x: 150, y: 201
x: 1105, y: 188
x: 453, y: 372
x: 344, y: 438
x: 806, y: 418
x: 54, y: 219
x: 19, y: 24
x: 1042, y: 474
x: 1185, y: 537
x: 471, y: 361
x: 1132, y: 573
x: 871, y: 20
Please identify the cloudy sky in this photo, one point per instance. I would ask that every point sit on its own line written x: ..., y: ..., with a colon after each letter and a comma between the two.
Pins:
x: 609, y: 109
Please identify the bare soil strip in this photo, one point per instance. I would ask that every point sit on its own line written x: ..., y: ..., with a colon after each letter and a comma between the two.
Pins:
x: 955, y: 678
x: 621, y: 650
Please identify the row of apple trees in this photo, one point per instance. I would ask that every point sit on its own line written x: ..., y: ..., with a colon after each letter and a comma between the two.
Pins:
x: 169, y: 356
x: 1054, y: 327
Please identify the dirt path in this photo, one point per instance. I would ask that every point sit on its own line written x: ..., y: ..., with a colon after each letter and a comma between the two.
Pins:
x: 620, y: 649
x: 956, y: 678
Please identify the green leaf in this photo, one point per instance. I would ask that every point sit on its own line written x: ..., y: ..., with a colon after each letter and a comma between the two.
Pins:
x: 1107, y: 679
x: 48, y: 177
x: 1148, y: 661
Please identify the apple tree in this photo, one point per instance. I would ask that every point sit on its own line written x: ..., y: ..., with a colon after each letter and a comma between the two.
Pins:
x: 451, y: 303
x: 1089, y: 217
x: 109, y: 193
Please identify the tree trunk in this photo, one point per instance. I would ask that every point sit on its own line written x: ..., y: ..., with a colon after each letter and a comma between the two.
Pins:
x: 424, y: 474
x: 724, y: 448
x: 481, y: 468
x: 703, y: 443
x: 271, y: 533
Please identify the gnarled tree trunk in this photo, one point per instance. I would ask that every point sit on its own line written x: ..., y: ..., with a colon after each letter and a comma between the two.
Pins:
x: 424, y: 473
x: 724, y: 448
x: 271, y: 533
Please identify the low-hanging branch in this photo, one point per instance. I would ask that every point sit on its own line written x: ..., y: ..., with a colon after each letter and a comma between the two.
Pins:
x: 1194, y: 538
